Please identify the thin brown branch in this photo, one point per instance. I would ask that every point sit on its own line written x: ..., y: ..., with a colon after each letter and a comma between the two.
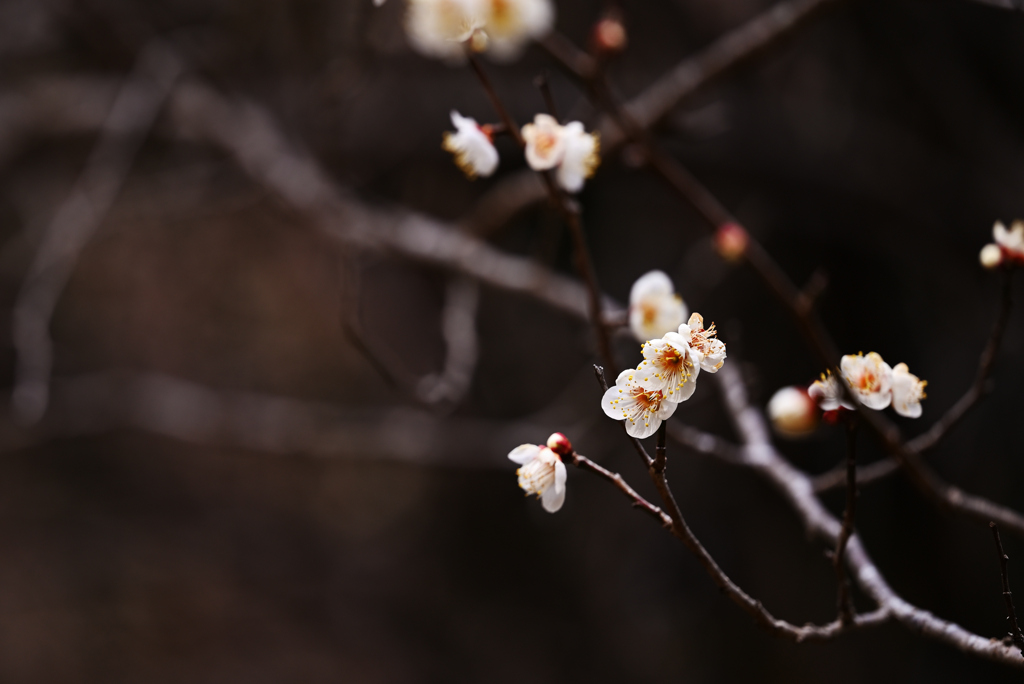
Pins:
x: 1011, y: 613
x: 865, y: 475
x: 977, y: 390
x: 643, y: 504
x: 844, y: 601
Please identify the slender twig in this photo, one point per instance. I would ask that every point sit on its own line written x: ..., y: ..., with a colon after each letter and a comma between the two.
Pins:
x: 132, y: 114
x: 571, y: 214
x: 1015, y: 633
x: 978, y: 389
x: 660, y: 452
x: 543, y: 84
x: 643, y: 504
x: 458, y: 325
x: 844, y: 601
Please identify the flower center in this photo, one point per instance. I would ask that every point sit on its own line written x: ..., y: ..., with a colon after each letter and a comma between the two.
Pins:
x: 868, y: 382
x: 536, y: 476
x: 545, y: 144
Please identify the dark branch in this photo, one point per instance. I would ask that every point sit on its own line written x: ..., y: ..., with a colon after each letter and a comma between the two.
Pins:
x: 844, y: 601
x: 1015, y: 634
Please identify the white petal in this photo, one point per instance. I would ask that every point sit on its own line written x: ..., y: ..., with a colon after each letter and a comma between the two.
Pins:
x: 524, y: 453
x: 553, y: 498
x: 561, y: 474
x: 642, y: 430
x: 652, y: 283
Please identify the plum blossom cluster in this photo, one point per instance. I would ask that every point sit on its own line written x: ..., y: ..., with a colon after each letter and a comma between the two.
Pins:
x: 794, y: 411
x: 571, y: 152
x: 542, y: 471
x: 1008, y: 247
x: 442, y: 28
x: 647, y: 395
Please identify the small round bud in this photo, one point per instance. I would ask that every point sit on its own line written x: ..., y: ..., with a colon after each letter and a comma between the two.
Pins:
x: 792, y: 412
x: 731, y: 241
x: 991, y: 256
x: 560, y: 444
x: 609, y: 36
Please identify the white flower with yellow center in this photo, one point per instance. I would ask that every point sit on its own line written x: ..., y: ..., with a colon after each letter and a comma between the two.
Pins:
x: 542, y: 473
x: 654, y: 307
x: 471, y: 144
x: 671, y: 366
x: 828, y: 393
x: 793, y: 412
x: 438, y: 28
x: 545, y: 142
x: 907, y: 391
x: 870, y: 378
x: 581, y: 157
x: 511, y: 24
x: 637, y: 401
x: 710, y: 350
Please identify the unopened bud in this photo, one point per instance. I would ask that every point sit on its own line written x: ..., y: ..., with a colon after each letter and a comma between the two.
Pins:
x: 731, y: 241
x: 609, y: 36
x: 560, y: 444
x: 991, y: 256
x: 792, y: 412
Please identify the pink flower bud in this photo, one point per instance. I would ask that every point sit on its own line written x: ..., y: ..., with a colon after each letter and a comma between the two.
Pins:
x: 793, y: 413
x: 609, y: 36
x: 731, y: 241
x: 560, y: 444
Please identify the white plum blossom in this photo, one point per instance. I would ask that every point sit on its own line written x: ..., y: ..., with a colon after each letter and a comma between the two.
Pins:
x: 828, y: 393
x: 654, y: 307
x: 545, y: 142
x: 581, y: 157
x: 793, y: 412
x: 438, y: 28
x: 671, y: 366
x: 542, y: 473
x: 638, y: 402
x: 907, y: 391
x: 870, y: 378
x: 511, y: 24
x: 710, y: 350
x: 471, y: 144
x: 569, y: 148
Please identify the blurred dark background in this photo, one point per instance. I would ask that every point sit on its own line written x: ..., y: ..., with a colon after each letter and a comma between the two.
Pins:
x: 381, y: 539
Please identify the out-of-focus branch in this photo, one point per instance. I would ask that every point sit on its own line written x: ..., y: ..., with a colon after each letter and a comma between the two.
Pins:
x: 458, y: 325
x: 248, y: 133
x: 139, y: 100
x: 797, y: 489
x: 844, y: 601
x: 705, y: 443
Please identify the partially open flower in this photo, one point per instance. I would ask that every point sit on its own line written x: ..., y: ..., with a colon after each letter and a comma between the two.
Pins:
x: 581, y: 156
x: 793, y: 412
x: 471, y: 144
x: 907, y: 391
x: 654, y: 307
x: 1010, y: 242
x: 828, y: 393
x: 641, y: 404
x: 438, y: 28
x: 510, y: 24
x: 870, y: 378
x: 671, y: 366
x: 545, y: 142
x: 542, y: 473
x: 709, y: 349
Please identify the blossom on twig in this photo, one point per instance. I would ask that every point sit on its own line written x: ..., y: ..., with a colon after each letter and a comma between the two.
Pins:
x: 472, y: 146
x: 542, y: 473
x: 637, y: 399
x: 654, y: 307
x: 569, y: 148
x: 793, y: 412
x: 907, y: 391
x: 870, y: 379
x: 709, y: 349
x: 671, y: 366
